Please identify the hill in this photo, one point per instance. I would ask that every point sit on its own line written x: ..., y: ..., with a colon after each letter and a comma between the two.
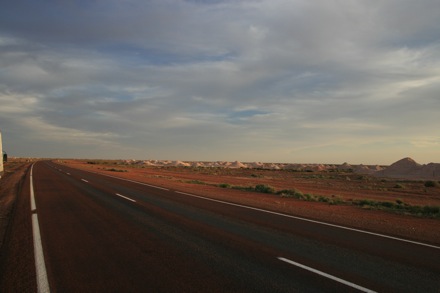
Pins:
x: 407, y: 168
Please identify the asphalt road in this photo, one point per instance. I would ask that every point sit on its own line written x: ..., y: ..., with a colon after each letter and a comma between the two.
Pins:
x: 103, y: 234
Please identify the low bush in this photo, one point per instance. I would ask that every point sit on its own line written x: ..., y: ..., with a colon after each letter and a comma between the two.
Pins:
x: 291, y: 193
x: 264, y: 188
x: 308, y: 196
x: 195, y: 182
x: 224, y: 185
x: 321, y: 198
x: 431, y: 183
x: 400, y: 207
x: 431, y: 210
x: 116, y: 170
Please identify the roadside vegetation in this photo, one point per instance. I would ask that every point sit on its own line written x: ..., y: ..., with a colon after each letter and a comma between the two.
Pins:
x: 351, y: 181
x: 115, y: 170
x: 431, y: 183
x: 397, y: 207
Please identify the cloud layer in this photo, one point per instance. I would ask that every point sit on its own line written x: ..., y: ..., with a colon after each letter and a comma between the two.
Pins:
x: 264, y: 80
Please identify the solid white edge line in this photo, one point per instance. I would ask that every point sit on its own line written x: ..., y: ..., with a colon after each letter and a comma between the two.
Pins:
x: 40, y: 266
x: 127, y: 198
x: 363, y: 289
x: 84, y: 180
x: 33, y: 206
x: 312, y: 221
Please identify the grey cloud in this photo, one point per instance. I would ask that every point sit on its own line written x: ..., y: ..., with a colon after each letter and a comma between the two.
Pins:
x: 174, y: 76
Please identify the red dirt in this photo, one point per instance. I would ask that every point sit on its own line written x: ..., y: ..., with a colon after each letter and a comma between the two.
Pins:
x: 16, y: 249
x: 9, y: 187
x: 345, y: 186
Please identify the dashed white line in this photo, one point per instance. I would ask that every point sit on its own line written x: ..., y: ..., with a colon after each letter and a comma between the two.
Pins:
x: 363, y: 289
x: 40, y: 266
x: 133, y: 181
x: 84, y: 180
x: 68, y: 173
x: 127, y: 198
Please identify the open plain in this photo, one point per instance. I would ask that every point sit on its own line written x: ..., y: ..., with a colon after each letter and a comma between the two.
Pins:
x: 126, y: 226
x: 334, y: 193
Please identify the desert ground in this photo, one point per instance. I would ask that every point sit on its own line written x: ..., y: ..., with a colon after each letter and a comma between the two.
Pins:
x: 336, y: 196
x: 406, y: 208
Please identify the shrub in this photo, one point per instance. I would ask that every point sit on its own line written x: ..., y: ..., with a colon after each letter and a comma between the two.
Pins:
x: 323, y: 199
x: 431, y: 210
x: 398, y: 185
x: 365, y: 202
x: 224, y: 185
x: 292, y: 193
x: 308, y: 196
x: 195, y: 182
x: 431, y: 183
x: 387, y: 204
x: 400, y: 207
x: 116, y: 170
x: 264, y: 188
x: 336, y: 200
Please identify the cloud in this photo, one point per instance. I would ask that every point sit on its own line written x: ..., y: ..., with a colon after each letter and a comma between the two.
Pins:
x: 259, y: 80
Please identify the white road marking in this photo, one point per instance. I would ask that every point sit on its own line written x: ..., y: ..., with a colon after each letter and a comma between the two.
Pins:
x: 68, y: 173
x: 133, y: 181
x: 40, y: 266
x: 33, y: 206
x: 363, y: 289
x: 281, y: 214
x: 312, y: 221
x: 84, y: 180
x: 127, y: 198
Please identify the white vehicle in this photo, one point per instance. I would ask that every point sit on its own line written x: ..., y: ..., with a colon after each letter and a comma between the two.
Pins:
x: 1, y: 152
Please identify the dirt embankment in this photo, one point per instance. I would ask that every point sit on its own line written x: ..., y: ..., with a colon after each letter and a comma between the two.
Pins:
x: 10, y: 185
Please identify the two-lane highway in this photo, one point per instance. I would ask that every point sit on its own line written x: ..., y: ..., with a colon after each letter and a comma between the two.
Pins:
x: 103, y: 234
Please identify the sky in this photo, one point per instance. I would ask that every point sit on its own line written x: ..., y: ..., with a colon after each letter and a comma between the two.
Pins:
x: 288, y: 81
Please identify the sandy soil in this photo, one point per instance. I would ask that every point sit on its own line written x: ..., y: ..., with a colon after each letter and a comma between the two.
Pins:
x: 9, y: 187
x: 345, y: 186
x: 16, y: 252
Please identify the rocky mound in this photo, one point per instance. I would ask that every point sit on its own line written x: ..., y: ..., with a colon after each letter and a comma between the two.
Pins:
x: 407, y: 168
x: 236, y: 164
